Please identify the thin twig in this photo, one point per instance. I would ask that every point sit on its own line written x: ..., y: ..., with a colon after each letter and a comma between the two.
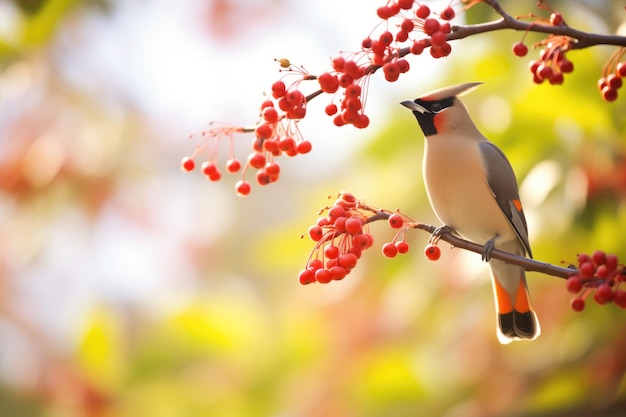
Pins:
x: 527, y: 263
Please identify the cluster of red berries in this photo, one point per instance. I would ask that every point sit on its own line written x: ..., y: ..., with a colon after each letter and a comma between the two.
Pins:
x: 341, y: 236
x: 210, y: 139
x: 397, y: 245
x: 552, y: 64
x: 276, y: 134
x: 611, y: 81
x: 600, y: 274
x: 349, y: 76
x: 414, y: 18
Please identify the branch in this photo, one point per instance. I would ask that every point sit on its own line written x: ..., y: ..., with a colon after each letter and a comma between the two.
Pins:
x: 582, y: 39
x: 510, y: 258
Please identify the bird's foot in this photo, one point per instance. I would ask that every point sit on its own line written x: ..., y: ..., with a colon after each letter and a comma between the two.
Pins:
x: 488, y: 248
x: 436, y: 235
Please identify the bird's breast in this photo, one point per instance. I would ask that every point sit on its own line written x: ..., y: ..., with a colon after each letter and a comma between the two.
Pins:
x: 456, y: 183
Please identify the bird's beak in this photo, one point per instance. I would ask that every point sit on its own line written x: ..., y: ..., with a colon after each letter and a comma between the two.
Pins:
x: 409, y: 104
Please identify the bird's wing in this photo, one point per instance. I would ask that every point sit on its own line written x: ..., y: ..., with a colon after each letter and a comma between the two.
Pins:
x: 501, y: 180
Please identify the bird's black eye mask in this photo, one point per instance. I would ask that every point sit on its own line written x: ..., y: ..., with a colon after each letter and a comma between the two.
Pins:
x: 437, y: 105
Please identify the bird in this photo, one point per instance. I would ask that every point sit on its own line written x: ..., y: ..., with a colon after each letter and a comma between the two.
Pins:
x: 473, y: 191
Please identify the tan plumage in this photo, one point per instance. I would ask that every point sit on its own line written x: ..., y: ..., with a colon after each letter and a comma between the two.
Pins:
x: 472, y: 189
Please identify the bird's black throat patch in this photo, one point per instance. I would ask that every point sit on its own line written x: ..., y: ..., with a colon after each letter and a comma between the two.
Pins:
x: 426, y: 120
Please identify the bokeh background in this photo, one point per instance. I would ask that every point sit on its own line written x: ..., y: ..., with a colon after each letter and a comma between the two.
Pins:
x: 128, y: 288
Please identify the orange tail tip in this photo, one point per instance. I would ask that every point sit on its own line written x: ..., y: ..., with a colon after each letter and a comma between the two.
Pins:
x: 516, y: 321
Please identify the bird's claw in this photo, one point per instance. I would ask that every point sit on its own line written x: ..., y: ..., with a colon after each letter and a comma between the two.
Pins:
x: 436, y: 235
x: 488, y: 248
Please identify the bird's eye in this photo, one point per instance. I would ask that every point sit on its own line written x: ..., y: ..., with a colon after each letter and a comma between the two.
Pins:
x: 436, y: 107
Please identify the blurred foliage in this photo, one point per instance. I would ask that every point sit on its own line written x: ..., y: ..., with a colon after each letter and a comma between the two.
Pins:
x: 231, y: 333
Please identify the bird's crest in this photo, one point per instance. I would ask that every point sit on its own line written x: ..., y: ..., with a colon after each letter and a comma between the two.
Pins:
x: 450, y: 91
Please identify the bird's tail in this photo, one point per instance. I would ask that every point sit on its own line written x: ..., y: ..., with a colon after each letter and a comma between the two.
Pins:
x: 516, y: 317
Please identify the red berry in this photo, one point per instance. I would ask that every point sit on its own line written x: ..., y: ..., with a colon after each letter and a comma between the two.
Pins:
x: 233, y: 165
x: 345, y: 80
x: 390, y: 250
x: 395, y: 221
x: 316, y: 233
x: 620, y: 69
x: 447, y: 13
x: 574, y: 284
x: 556, y: 78
x: 439, y: 51
x: 306, y: 276
x: 366, y: 43
x: 544, y: 71
x: 609, y: 94
x: 270, y: 115
x: 614, y: 81
x: 335, y: 212
x: 602, y: 271
x: 431, y: 26
x: 391, y: 71
x: 288, y: 145
x: 384, y: 12
x: 611, y: 262
x: 583, y: 257
x: 331, y: 251
x: 361, y: 121
x: 353, y: 104
x: 243, y: 188
x: 316, y: 264
x: 278, y: 89
x: 432, y: 252
x: 272, y: 168
x: 587, y: 269
x: 304, y: 147
x: 407, y: 25
x: 354, y: 225
x: 328, y: 82
x: 422, y: 11
x: 187, y: 164
x: 438, y: 38
x: 619, y: 298
x: 403, y: 65
x: 348, y: 260
x: 264, y: 130
x: 262, y: 177
x: 405, y: 4
x: 323, y: 276
x: 338, y: 63
x: 599, y: 257
x: 566, y: 66
x: 577, y: 304
x: 386, y: 38
x: 417, y: 47
x: 556, y: 19
x: 403, y: 247
x: 360, y: 241
x: 520, y: 49
x: 338, y: 272
x: 256, y: 160
x: 210, y: 170
x: 402, y: 36
x: 267, y: 103
x: 331, y: 109
x: 603, y: 294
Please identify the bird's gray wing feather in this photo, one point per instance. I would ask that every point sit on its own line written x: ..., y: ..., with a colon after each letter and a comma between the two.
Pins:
x: 501, y: 180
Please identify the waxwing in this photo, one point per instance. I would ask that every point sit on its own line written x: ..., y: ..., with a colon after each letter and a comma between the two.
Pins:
x: 472, y: 189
